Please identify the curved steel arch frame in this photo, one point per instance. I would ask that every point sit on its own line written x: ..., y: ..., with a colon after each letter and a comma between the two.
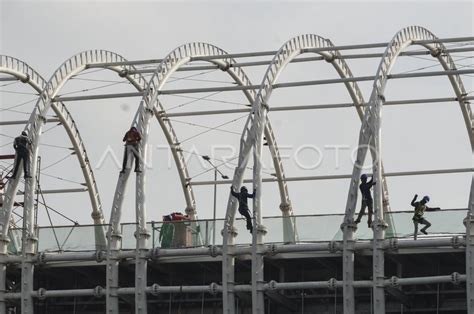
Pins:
x: 371, y: 132
x: 290, y: 50
x: 26, y: 74
x: 68, y: 69
x: 151, y: 105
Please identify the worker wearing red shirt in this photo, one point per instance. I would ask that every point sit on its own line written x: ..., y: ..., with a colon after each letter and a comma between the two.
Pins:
x: 132, y: 139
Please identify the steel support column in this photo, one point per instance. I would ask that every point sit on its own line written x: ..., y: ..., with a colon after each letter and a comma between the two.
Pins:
x: 114, y: 235
x: 379, y: 224
x: 3, y: 273
x: 142, y: 236
x: 258, y: 304
x: 469, y: 222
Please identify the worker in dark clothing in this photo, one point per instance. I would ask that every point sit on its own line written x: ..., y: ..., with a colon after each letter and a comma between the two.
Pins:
x: 420, y: 208
x: 367, y: 201
x: 22, y: 146
x: 132, y: 139
x: 243, y: 206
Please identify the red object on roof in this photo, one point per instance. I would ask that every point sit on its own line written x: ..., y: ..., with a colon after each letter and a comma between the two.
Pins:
x: 179, y: 217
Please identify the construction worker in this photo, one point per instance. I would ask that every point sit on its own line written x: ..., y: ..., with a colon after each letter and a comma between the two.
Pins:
x: 367, y: 201
x: 420, y: 208
x: 22, y: 146
x: 132, y: 139
x: 243, y: 206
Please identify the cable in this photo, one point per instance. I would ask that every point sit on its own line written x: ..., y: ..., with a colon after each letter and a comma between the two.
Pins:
x: 44, y: 144
x: 6, y: 144
x: 430, y: 66
x: 61, y: 179
x: 205, y: 127
x: 223, y: 162
x: 54, y: 126
x: 22, y: 104
x: 20, y: 93
x: 193, y: 101
x: 10, y: 165
x: 214, y: 128
x: 40, y: 192
x: 211, y: 100
x: 88, y: 72
x: 97, y: 80
x: 189, y: 76
x: 8, y: 84
x: 90, y: 89
x: 58, y: 161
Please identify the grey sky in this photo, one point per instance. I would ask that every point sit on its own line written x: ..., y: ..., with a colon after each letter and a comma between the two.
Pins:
x: 44, y: 34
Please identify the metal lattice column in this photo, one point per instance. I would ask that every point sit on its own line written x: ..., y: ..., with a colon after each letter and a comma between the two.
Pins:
x: 469, y: 222
x: 371, y: 128
x: 69, y: 68
x: 150, y: 104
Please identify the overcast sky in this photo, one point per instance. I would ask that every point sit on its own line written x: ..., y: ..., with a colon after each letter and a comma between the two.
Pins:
x: 419, y: 137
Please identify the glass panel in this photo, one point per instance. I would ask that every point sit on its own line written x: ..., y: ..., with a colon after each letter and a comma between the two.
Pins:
x: 128, y: 236
x: 310, y: 228
x: 14, y: 246
x: 67, y: 238
x: 317, y: 228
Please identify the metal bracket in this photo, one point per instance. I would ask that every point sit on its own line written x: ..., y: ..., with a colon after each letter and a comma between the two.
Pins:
x: 41, y: 294
x: 98, y: 292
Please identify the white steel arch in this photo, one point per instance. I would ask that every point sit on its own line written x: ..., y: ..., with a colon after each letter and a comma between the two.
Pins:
x: 26, y: 74
x: 290, y: 50
x: 149, y: 106
x: 68, y: 69
x: 371, y: 133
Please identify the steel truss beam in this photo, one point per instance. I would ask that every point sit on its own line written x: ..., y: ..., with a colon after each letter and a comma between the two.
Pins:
x: 62, y: 191
x: 342, y: 176
x: 308, y: 59
x: 214, y: 288
x: 272, y: 53
x: 287, y: 52
x: 22, y: 122
x: 316, y: 82
x: 23, y: 72
x: 456, y: 242
x: 371, y: 133
x: 94, y: 97
x: 318, y: 107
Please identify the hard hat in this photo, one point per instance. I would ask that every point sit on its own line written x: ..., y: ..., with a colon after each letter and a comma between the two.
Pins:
x: 363, y: 177
x: 25, y: 133
x: 426, y: 198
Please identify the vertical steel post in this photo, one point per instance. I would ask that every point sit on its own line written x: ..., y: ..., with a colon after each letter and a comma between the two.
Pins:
x: 348, y: 268
x: 142, y: 236
x: 215, y: 208
x: 112, y: 273
x: 228, y: 270
x: 469, y: 222
x: 29, y: 241
x: 114, y: 245
x: 258, y: 304
x: 3, y: 273
x: 379, y: 225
